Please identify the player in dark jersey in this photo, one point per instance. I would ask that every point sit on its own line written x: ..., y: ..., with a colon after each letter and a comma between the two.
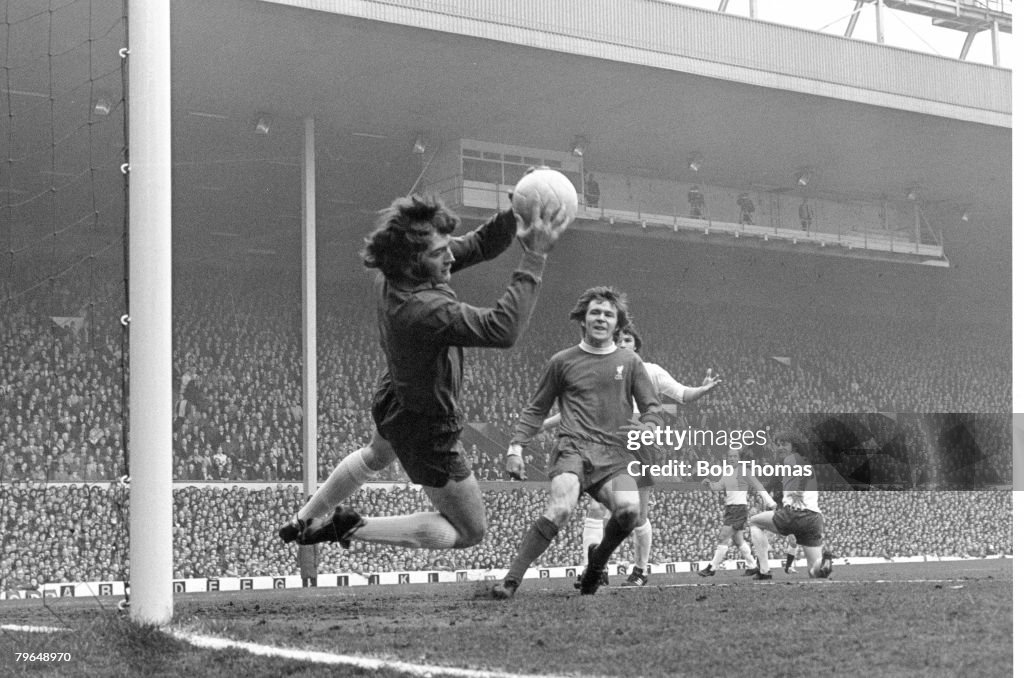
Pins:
x: 595, y: 384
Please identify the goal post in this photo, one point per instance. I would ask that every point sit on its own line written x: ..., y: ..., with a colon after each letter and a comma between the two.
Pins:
x: 151, y: 407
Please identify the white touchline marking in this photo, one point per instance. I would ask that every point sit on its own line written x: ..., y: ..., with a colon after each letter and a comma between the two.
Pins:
x: 32, y: 629
x: 426, y: 670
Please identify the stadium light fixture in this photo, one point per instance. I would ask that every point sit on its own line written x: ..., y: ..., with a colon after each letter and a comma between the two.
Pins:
x: 579, y: 145
x: 101, y: 106
x: 262, y: 124
x: 695, y: 161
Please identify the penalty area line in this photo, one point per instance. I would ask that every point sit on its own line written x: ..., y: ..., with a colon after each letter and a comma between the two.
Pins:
x: 426, y: 670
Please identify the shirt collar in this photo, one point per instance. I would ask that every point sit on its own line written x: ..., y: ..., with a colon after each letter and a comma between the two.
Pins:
x: 587, y: 348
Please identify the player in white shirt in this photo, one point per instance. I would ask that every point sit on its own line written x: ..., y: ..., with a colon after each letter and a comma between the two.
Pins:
x: 597, y: 515
x: 799, y: 515
x: 734, y: 518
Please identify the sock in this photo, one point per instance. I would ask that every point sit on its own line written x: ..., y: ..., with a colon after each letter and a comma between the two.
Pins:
x: 593, y: 532
x: 748, y: 557
x: 416, y: 530
x: 720, y: 552
x: 349, y: 475
x: 536, y: 540
x: 642, y: 537
x: 760, y: 540
x: 790, y: 557
x: 614, y: 534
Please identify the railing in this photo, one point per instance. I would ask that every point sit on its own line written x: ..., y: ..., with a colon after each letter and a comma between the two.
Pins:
x: 828, y: 232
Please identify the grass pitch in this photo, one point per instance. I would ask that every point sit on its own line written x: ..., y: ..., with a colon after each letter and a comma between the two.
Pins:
x: 929, y: 619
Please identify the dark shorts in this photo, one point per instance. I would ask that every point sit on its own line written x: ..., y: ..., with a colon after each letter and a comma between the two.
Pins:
x: 735, y: 516
x: 593, y: 463
x: 807, y: 526
x: 428, y: 448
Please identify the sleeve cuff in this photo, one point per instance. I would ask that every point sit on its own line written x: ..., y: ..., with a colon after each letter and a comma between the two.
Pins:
x: 532, y: 263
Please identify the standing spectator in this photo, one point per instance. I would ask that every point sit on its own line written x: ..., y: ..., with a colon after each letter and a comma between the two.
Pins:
x: 746, y: 209
x: 696, y: 199
x: 806, y: 216
x: 591, y: 192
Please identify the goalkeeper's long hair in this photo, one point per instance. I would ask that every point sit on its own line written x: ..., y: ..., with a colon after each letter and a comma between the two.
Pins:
x: 402, y: 231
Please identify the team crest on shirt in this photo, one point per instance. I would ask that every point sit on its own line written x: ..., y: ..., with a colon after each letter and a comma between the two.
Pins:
x: 618, y: 372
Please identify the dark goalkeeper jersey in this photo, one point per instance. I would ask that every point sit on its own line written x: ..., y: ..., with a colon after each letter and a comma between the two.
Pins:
x: 424, y: 327
x: 595, y: 395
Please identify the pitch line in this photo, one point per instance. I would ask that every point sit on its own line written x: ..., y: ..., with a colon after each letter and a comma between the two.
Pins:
x: 425, y: 670
x: 216, y: 643
x: 32, y: 629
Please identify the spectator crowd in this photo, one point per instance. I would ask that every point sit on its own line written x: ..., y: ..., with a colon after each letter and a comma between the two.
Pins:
x: 238, y: 417
x: 79, y: 532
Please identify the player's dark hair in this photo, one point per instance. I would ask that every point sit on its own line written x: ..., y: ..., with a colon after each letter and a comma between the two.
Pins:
x: 401, y: 233
x: 604, y: 293
x: 638, y: 342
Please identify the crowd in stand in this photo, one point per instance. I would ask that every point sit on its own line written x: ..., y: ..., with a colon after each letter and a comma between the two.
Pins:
x: 79, y: 532
x: 238, y: 415
x: 238, y: 399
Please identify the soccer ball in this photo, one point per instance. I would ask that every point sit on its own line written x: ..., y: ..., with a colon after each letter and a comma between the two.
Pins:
x: 548, y: 187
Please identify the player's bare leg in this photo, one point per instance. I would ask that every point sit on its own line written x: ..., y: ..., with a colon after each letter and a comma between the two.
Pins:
x: 819, y: 562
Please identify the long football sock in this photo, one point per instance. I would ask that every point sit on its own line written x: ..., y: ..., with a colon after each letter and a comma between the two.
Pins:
x: 748, y: 557
x: 642, y: 537
x: 719, y: 556
x: 614, y: 534
x: 536, y: 540
x: 760, y: 540
x: 593, y: 532
x: 416, y: 530
x: 348, y: 476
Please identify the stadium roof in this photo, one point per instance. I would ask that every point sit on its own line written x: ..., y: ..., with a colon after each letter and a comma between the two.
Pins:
x: 374, y: 84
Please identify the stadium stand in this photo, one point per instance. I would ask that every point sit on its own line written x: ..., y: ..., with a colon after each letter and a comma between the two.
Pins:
x: 238, y: 420
x: 221, y: 531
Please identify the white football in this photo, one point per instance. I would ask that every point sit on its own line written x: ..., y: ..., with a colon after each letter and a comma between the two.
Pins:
x: 547, y: 187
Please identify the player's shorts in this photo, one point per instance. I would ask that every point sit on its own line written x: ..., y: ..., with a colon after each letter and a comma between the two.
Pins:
x: 428, y: 448
x: 735, y: 516
x: 593, y: 463
x: 807, y: 526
